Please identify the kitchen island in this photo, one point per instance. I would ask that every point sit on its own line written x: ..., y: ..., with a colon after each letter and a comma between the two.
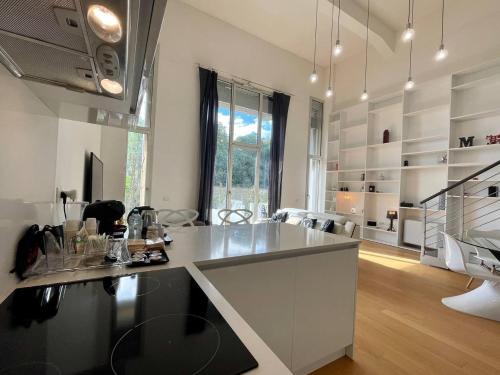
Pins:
x: 286, y: 291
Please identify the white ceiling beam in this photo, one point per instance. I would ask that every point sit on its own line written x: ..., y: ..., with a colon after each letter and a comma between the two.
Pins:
x: 381, y: 36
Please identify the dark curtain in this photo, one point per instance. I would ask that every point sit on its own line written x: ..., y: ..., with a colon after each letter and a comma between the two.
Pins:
x: 280, y: 115
x: 209, y: 103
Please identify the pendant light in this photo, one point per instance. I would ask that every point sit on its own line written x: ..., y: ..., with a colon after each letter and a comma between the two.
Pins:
x: 329, y: 91
x: 364, y: 95
x: 313, y: 78
x: 442, y: 52
x: 409, y: 32
x: 338, y: 47
x: 410, y: 83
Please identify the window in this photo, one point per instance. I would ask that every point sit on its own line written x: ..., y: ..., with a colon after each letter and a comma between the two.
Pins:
x: 314, y: 156
x: 139, y: 136
x: 243, y: 150
x: 136, y: 170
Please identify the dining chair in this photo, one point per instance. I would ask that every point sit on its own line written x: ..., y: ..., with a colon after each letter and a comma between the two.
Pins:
x: 177, y: 218
x: 242, y: 216
x: 454, y: 257
x: 483, y: 301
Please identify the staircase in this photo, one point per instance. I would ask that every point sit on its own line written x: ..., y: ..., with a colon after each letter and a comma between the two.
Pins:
x: 471, y: 203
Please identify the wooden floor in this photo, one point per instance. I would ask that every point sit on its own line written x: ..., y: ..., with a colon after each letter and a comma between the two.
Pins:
x: 402, y: 327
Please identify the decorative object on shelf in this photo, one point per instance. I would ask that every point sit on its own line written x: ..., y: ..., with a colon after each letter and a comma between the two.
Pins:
x: 493, y: 139
x: 392, y: 215
x: 371, y: 223
x: 406, y: 204
x: 492, y: 191
x: 314, y: 76
x: 364, y: 95
x: 385, y: 137
x: 466, y: 141
x: 362, y: 176
x: 443, y: 159
x: 406, y: 163
x: 371, y: 188
x: 381, y: 177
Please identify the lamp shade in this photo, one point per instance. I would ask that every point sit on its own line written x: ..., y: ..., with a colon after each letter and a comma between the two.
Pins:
x: 392, y: 214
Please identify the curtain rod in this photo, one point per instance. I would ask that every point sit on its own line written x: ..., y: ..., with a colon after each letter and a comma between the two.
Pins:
x: 242, y: 81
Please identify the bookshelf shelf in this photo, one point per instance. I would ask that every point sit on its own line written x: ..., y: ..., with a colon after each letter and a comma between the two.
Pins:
x: 424, y: 125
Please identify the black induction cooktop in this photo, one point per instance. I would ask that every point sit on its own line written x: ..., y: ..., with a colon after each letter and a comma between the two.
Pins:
x: 157, y: 322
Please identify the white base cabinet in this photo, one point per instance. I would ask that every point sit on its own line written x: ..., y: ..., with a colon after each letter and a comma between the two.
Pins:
x: 303, y: 307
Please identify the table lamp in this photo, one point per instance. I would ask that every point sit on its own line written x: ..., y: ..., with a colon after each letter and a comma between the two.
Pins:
x: 392, y: 215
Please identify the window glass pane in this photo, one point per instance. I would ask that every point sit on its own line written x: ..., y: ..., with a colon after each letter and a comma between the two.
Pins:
x: 246, y: 116
x: 221, y: 157
x: 135, y: 173
x: 316, y: 122
x: 313, y: 185
x: 243, y: 178
x: 264, y: 180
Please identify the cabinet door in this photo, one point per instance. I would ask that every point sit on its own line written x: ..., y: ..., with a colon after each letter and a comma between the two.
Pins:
x: 263, y: 294
x: 324, y: 307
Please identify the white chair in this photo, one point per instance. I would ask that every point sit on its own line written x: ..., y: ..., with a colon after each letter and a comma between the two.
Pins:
x: 177, y: 218
x: 244, y: 216
x: 483, y: 301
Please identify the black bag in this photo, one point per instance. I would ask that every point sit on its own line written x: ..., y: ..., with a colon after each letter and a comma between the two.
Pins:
x: 28, y: 248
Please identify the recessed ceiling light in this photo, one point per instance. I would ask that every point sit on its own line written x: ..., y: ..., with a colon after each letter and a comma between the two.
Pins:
x: 104, y: 23
x: 112, y: 87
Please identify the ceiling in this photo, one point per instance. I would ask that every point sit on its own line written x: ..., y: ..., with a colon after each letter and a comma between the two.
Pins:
x: 289, y: 24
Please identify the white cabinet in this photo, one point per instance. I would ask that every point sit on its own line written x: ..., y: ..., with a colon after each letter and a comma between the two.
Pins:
x: 302, y: 307
x: 263, y: 295
x: 325, y: 294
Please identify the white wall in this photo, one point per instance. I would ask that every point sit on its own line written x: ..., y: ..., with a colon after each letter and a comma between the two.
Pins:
x: 27, y: 164
x: 471, y: 38
x: 76, y: 140
x: 190, y: 37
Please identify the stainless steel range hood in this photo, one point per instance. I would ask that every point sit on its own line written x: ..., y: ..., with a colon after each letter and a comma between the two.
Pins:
x: 99, y: 50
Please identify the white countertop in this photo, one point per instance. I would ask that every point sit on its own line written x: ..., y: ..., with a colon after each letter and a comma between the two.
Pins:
x: 196, y: 248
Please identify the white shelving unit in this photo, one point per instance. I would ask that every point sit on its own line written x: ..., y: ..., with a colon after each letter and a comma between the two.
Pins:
x: 425, y: 125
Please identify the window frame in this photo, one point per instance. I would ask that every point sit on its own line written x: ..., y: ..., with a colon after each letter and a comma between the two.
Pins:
x: 234, y: 144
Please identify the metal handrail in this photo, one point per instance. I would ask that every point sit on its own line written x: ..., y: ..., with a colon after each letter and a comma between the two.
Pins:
x: 475, y: 174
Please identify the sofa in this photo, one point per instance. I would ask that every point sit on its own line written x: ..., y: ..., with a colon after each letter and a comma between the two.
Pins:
x: 342, y: 225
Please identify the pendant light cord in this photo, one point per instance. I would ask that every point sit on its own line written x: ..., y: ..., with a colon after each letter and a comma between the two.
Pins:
x: 411, y: 52
x: 331, y: 48
x: 315, y: 36
x: 409, y: 11
x: 442, y: 24
x: 338, y: 23
x: 412, y: 12
x: 366, y: 47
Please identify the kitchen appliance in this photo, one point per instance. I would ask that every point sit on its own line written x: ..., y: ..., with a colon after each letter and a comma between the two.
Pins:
x: 148, y: 323
x: 101, y: 51
x: 106, y: 213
